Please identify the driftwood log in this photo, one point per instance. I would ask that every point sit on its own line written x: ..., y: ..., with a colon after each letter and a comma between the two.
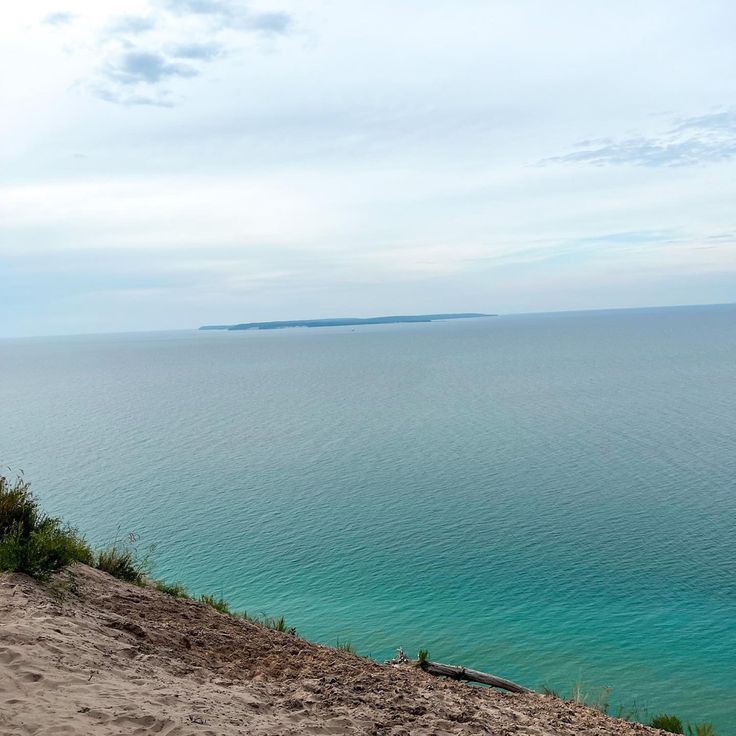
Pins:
x: 455, y: 672
x: 461, y: 673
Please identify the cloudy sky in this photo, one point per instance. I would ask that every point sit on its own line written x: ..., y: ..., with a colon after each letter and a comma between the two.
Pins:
x: 168, y: 163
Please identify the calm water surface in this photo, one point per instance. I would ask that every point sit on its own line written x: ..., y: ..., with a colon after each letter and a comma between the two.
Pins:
x: 551, y: 498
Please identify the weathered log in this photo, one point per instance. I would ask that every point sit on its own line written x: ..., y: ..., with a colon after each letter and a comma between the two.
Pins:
x: 461, y: 673
x: 455, y: 672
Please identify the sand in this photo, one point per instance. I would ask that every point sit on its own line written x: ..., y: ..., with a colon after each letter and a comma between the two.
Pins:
x: 89, y: 654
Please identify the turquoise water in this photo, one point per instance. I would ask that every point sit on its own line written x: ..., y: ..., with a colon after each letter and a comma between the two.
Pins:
x: 551, y: 498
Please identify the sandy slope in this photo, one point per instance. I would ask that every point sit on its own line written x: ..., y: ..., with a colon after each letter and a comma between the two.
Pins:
x: 92, y: 655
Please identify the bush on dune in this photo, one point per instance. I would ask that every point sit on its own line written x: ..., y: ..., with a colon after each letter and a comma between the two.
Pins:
x: 32, y: 542
x: 671, y: 724
x: 39, y: 545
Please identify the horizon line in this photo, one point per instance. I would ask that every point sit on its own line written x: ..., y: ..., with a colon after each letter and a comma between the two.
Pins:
x: 494, y: 314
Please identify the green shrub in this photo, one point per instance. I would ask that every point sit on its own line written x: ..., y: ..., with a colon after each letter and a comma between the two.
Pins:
x: 30, y: 541
x: 671, y: 724
x: 423, y: 657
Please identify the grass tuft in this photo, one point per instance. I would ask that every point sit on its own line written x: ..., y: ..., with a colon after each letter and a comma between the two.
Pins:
x: 345, y: 646
x: 219, y: 604
x: 275, y: 623
x: 598, y: 700
x: 701, y: 729
x: 121, y: 562
x: 551, y: 692
x: 176, y: 590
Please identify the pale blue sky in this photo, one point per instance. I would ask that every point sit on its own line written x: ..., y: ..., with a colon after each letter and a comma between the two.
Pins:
x: 169, y: 163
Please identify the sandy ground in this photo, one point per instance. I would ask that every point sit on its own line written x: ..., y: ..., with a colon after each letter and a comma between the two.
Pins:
x: 89, y: 655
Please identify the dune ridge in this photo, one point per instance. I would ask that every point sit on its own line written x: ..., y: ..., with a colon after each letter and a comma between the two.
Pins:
x: 88, y: 654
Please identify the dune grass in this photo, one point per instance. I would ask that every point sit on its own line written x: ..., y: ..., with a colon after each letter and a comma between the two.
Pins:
x: 175, y: 590
x: 121, y: 562
x: 345, y: 646
x: 219, y: 604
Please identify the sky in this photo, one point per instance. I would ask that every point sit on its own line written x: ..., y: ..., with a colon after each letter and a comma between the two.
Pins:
x: 171, y: 163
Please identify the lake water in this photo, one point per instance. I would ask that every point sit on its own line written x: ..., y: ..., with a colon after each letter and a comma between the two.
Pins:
x: 551, y: 498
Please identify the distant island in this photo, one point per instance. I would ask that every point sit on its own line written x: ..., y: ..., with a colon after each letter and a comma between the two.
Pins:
x: 345, y: 321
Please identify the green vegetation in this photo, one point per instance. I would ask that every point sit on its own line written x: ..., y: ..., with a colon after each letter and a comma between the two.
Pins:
x: 551, y: 692
x: 219, y: 604
x: 120, y: 562
x: 39, y: 545
x: 345, y: 646
x: 597, y: 700
x: 176, y: 590
x: 422, y: 657
x: 632, y: 712
x: 671, y: 724
x: 30, y: 541
x: 701, y: 729
x: 275, y: 623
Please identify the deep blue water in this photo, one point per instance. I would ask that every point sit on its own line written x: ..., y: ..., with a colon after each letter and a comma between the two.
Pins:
x: 551, y: 498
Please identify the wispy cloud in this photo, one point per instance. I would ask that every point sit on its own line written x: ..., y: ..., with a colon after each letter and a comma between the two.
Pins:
x: 131, y: 24
x: 689, y: 141
x: 125, y: 97
x: 717, y: 121
x: 135, y: 66
x: 268, y: 22
x: 234, y: 14
x: 198, y: 51
x: 167, y: 46
x: 200, y: 7
x: 60, y: 18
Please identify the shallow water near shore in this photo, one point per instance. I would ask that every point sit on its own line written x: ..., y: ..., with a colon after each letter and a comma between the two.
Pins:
x: 551, y: 498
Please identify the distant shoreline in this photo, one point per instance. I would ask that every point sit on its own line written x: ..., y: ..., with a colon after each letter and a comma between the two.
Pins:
x: 346, y: 321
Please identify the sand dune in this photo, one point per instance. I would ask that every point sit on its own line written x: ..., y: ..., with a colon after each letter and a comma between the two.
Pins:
x: 89, y: 654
